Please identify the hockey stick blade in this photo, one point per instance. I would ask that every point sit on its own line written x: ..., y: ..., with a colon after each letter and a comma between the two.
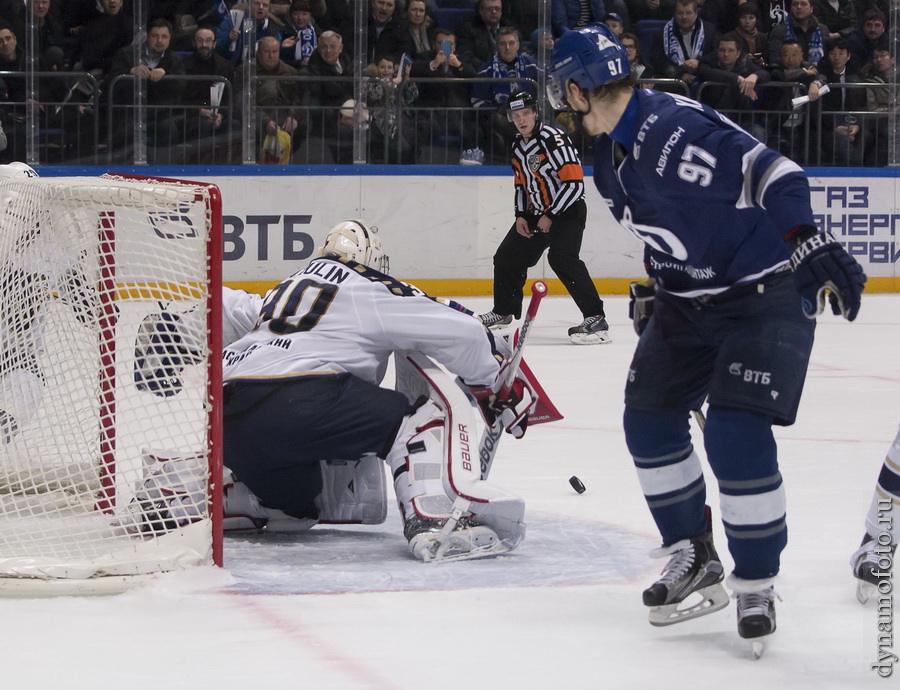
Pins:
x: 490, y: 439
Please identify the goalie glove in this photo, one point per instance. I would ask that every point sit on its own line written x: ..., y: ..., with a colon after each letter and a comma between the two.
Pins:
x: 640, y: 305
x: 820, y: 263
x: 513, y: 410
x: 160, y: 355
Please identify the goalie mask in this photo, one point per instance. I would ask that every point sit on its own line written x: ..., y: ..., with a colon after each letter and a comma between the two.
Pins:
x: 353, y: 240
x: 17, y: 171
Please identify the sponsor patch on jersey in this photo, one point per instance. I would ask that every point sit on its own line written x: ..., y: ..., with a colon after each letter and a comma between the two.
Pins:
x: 534, y: 161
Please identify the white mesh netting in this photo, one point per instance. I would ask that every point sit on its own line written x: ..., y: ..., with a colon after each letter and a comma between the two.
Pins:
x: 104, y: 377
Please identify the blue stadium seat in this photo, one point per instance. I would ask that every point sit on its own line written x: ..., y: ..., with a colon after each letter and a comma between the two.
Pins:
x: 646, y: 31
x: 449, y: 17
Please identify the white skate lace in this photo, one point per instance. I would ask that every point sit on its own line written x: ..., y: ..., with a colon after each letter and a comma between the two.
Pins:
x: 678, y: 565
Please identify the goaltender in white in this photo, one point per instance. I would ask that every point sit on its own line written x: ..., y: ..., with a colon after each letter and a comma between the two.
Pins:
x: 307, y: 425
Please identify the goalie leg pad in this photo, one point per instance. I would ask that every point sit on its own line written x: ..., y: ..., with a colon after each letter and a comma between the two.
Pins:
x: 353, y: 492
x: 434, y: 478
x: 171, y: 493
x: 242, y: 511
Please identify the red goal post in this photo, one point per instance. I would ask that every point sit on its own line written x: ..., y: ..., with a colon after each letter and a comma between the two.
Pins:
x: 110, y: 381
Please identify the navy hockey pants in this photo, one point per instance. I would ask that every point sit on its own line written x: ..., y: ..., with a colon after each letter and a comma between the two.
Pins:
x: 516, y: 254
x: 276, y: 432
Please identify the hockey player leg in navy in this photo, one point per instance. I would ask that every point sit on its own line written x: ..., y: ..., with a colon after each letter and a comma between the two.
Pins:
x: 873, y: 561
x: 740, y: 273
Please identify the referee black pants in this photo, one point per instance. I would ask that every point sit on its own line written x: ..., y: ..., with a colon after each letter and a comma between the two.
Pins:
x: 516, y: 254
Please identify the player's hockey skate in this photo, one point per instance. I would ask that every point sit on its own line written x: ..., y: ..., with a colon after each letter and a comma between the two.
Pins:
x: 755, y: 610
x: 468, y: 540
x: 493, y: 320
x: 690, y: 585
x: 592, y: 331
x: 865, y: 563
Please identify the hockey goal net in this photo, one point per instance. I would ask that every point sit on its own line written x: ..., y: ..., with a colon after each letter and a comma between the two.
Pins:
x: 109, y: 458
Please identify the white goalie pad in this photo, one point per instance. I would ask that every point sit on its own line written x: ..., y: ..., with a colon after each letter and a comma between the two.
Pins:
x: 444, y: 476
x: 353, y: 492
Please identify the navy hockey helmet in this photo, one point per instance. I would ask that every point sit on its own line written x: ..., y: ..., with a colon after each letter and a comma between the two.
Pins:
x: 591, y: 56
x: 520, y: 101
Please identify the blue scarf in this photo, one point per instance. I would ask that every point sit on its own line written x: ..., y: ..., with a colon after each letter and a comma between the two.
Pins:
x: 674, y: 51
x: 816, y: 49
x: 306, y: 43
x: 500, y: 70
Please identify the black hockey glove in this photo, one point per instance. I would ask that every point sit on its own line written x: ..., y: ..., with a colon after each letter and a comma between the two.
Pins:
x: 640, y: 305
x: 820, y: 263
x: 160, y: 355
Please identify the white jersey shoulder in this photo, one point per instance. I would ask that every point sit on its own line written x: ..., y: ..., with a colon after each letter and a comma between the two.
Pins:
x: 336, y: 316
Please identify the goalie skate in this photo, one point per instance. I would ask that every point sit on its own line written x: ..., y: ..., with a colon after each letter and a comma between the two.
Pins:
x: 466, y: 541
x: 690, y: 585
x: 865, y: 563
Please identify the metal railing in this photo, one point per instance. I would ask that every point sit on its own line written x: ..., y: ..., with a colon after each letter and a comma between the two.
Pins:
x: 89, y: 123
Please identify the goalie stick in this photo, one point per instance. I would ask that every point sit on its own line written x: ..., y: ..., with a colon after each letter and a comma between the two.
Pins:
x: 490, y: 439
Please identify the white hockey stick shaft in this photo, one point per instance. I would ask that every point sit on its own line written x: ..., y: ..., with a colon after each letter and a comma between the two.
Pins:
x: 490, y: 439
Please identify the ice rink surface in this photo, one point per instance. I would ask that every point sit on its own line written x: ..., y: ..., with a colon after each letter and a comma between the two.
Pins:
x: 349, y: 608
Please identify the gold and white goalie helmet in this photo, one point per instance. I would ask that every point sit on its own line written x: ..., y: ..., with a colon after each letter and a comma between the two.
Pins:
x: 355, y: 241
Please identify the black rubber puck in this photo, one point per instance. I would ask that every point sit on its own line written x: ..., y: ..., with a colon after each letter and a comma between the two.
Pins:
x: 577, y: 484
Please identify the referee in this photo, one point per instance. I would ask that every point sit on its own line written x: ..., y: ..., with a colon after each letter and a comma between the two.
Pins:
x: 550, y: 212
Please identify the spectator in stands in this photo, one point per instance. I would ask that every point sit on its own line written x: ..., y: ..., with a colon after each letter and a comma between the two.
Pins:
x: 101, y: 38
x: 639, y: 10
x: 573, y: 14
x: 12, y: 96
x: 440, y: 121
x: 842, y: 126
x: 477, y: 37
x: 327, y: 94
x: 208, y: 121
x: 753, y: 43
x: 387, y: 97
x: 382, y: 20
x: 864, y: 40
x: 802, y: 26
x: 787, y: 134
x: 277, y: 100
x: 639, y: 68
x: 299, y: 36
x: 879, y: 101
x: 163, y: 123
x: 729, y: 84
x: 614, y: 21
x: 681, y: 43
x: 838, y: 17
x: 411, y: 36
x: 230, y: 37
x: 51, y: 36
x: 509, y: 62
x: 539, y: 36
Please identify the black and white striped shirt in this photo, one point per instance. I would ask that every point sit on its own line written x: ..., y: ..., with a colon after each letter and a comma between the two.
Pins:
x: 548, y: 173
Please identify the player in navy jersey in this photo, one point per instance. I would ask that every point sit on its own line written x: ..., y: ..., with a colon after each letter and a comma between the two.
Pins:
x: 550, y: 212
x: 739, y: 273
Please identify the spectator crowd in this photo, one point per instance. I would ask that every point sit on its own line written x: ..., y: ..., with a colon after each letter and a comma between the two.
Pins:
x: 438, y: 75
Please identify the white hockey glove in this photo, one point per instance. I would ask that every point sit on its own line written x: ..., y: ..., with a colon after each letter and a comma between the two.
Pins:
x: 161, y: 354
x: 512, y: 410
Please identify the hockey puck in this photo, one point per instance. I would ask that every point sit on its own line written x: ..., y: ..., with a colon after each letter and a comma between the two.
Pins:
x: 577, y: 484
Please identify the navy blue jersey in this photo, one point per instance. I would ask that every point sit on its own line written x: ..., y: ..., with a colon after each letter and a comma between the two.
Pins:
x: 712, y: 203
